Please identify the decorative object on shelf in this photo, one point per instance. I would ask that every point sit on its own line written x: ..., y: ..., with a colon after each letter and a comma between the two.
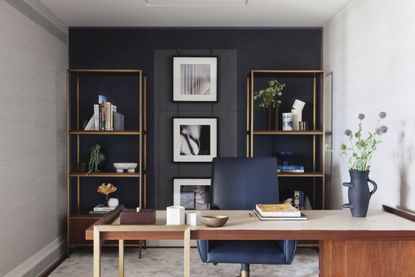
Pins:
x: 270, y: 98
x: 285, y: 157
x: 81, y: 167
x: 194, y: 79
x: 358, y: 154
x: 297, y: 111
x: 195, y: 139
x: 287, y: 121
x: 192, y: 193
x: 193, y: 218
x: 214, y: 220
x: 97, y: 159
x: 175, y: 215
x: 106, y: 189
x: 302, y: 125
x: 113, y: 202
x: 120, y: 167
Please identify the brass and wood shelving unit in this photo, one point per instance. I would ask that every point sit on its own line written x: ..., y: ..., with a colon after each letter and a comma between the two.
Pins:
x: 78, y: 218
x: 315, y: 174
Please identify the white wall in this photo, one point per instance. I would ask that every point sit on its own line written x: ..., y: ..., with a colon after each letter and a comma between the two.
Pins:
x: 32, y: 143
x: 370, y: 47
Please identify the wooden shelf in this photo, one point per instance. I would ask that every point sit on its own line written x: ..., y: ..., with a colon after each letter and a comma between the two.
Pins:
x: 105, y: 174
x: 86, y: 216
x: 125, y: 133
x: 111, y: 70
x: 288, y: 133
x: 305, y: 174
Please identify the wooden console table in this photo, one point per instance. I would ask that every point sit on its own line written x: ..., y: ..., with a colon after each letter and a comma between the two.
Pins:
x: 382, y: 244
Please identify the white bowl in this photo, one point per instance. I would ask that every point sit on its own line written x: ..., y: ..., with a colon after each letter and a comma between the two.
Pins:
x: 120, y: 167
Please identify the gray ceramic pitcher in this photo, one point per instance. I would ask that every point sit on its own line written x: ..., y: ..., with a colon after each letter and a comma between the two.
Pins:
x: 359, y: 194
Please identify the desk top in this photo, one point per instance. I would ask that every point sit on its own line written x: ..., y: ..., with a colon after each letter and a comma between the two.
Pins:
x: 322, y: 224
x: 327, y: 220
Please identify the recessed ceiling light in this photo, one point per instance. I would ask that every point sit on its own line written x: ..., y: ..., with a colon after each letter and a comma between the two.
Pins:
x: 196, y: 3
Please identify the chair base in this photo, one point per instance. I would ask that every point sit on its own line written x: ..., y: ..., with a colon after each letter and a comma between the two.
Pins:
x: 244, y: 270
x: 244, y: 273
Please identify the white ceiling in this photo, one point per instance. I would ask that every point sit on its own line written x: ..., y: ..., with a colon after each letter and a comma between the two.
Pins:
x: 196, y: 13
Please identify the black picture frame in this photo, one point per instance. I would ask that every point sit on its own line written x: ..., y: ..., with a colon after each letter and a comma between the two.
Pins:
x: 180, y: 144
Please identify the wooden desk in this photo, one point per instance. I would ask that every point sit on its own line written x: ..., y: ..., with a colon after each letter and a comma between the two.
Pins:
x: 382, y: 244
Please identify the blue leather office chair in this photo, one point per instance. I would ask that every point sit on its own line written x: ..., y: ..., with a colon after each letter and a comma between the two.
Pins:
x: 240, y: 184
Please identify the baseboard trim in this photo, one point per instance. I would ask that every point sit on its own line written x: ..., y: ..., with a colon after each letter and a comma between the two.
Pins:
x: 41, y: 262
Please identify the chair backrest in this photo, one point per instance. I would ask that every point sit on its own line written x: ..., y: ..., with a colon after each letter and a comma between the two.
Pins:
x: 240, y: 183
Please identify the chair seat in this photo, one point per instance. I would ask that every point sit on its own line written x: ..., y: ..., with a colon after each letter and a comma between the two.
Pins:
x: 252, y: 252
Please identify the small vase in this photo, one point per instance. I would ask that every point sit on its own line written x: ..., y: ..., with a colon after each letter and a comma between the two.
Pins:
x: 359, y: 194
x: 102, y: 159
x: 272, y: 118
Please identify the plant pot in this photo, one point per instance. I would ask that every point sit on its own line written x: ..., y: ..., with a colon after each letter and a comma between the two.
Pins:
x: 359, y: 194
x: 272, y: 118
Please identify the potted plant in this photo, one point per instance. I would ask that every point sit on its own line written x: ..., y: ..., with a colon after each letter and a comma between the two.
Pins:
x: 358, y: 153
x: 270, y: 98
x: 97, y: 159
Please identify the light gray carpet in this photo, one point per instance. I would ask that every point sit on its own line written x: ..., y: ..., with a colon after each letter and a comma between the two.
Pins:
x: 166, y: 262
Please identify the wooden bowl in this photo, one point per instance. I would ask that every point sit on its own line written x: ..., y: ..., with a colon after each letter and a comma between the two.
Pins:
x: 214, y: 220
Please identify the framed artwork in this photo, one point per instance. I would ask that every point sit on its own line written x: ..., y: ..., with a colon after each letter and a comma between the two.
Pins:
x: 195, y: 79
x: 195, y: 139
x: 192, y: 193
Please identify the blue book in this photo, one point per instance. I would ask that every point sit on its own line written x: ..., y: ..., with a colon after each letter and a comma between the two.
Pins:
x: 102, y: 99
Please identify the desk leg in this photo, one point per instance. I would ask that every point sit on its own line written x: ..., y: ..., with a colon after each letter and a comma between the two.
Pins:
x: 186, y: 260
x: 121, y: 258
x: 97, y: 253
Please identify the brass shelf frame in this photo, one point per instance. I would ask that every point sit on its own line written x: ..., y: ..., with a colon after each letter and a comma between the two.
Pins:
x: 125, y: 133
x: 318, y: 129
x: 140, y: 134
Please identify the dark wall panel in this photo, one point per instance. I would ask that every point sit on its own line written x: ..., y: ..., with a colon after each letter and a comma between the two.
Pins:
x: 151, y: 49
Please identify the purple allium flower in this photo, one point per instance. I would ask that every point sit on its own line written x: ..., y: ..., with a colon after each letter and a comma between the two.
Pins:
x: 382, y: 130
x: 348, y: 132
x: 361, y: 116
x: 382, y: 115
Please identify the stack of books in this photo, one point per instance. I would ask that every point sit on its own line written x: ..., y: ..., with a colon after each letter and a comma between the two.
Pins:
x: 290, y: 168
x: 101, y: 209
x: 105, y: 116
x: 278, y: 212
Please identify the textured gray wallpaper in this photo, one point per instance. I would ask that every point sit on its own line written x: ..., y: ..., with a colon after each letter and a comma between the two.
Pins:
x: 165, y: 109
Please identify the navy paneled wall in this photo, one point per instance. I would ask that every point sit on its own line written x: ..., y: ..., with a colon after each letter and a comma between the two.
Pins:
x: 151, y: 49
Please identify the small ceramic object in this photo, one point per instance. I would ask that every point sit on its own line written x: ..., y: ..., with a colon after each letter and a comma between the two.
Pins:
x: 113, y: 202
x: 214, y: 220
x: 193, y: 218
x: 175, y: 215
x: 130, y: 167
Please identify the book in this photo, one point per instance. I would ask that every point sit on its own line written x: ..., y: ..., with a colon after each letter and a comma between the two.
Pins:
x: 290, y: 168
x: 102, y: 99
x: 107, y: 116
x: 96, y: 116
x: 102, y: 208
x: 277, y: 210
x: 302, y: 217
x: 118, y: 121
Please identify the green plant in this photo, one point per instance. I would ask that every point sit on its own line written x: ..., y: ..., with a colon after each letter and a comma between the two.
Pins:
x: 269, y: 97
x: 359, y: 151
x: 94, y: 158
